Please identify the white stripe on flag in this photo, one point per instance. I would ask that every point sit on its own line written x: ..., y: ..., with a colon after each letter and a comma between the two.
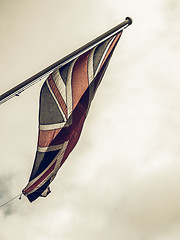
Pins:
x: 49, y: 148
x: 59, y: 106
x: 59, y: 84
x: 69, y: 89
x: 104, y: 54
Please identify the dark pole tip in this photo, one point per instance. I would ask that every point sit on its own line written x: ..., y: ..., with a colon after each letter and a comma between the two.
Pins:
x: 130, y: 20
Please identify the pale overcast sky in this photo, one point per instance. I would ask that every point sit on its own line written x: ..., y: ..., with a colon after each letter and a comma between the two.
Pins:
x: 122, y: 179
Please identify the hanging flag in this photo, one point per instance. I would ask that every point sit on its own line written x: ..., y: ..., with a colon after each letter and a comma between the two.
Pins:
x: 65, y: 99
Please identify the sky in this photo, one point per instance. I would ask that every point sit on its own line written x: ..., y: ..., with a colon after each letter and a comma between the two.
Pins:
x: 122, y: 179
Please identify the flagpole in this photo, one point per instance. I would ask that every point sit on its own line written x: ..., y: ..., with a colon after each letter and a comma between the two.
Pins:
x: 15, y: 91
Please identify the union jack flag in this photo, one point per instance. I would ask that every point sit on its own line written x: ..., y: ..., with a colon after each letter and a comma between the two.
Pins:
x: 65, y: 99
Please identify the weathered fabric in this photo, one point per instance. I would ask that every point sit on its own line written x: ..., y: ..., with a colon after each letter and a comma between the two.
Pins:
x: 65, y: 99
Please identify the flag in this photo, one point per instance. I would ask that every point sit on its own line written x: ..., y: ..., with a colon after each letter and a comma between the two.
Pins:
x: 65, y: 99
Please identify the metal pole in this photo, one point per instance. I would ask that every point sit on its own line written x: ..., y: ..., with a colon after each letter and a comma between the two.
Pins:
x: 38, y: 76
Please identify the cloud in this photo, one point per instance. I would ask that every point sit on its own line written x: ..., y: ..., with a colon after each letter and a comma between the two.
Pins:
x: 171, y: 8
x: 122, y: 180
x: 5, y: 196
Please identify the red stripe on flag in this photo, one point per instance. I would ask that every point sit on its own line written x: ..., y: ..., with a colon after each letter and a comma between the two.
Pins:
x: 80, y: 78
x: 57, y: 94
x: 111, y: 48
x: 34, y: 185
x: 46, y: 137
x: 79, y: 116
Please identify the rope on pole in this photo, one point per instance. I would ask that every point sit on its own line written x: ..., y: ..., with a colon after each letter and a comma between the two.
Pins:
x: 19, y: 195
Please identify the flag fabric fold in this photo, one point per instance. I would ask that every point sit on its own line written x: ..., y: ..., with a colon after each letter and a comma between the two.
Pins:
x: 65, y: 99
